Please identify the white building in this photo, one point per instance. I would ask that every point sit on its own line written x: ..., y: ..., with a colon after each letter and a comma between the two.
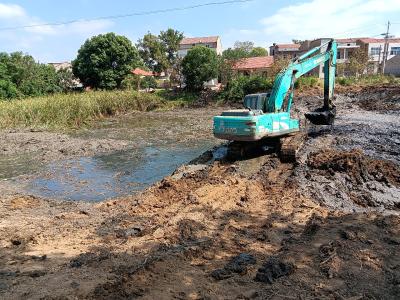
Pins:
x: 375, y: 47
x: 393, y: 66
x: 212, y: 42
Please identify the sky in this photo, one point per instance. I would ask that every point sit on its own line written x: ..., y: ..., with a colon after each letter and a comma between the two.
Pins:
x: 261, y: 21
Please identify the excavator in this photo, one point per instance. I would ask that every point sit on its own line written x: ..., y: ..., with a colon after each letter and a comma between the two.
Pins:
x: 266, y: 117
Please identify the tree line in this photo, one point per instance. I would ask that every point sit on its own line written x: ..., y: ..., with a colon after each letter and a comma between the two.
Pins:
x: 105, y: 62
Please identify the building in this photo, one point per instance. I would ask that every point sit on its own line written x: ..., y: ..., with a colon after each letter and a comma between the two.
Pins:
x: 254, y: 65
x: 212, y: 42
x: 393, y: 66
x: 346, y: 47
x: 284, y: 50
x: 142, y: 73
x: 61, y: 65
x: 375, y: 48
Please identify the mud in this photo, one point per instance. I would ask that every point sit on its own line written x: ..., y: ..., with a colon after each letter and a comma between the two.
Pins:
x: 273, y: 230
x: 116, y: 157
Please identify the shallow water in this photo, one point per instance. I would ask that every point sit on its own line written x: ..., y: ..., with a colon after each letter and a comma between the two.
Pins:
x: 162, y: 142
x: 113, y: 175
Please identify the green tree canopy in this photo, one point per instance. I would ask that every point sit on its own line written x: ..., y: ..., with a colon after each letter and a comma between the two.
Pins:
x: 198, y: 66
x: 21, y: 75
x: 153, y: 52
x: 159, y: 52
x: 104, y: 60
x: 243, y: 50
x: 258, y: 51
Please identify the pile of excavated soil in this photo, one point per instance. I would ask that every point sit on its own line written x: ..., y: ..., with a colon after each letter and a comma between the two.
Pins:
x: 359, y: 167
x: 383, y: 98
x: 351, y: 180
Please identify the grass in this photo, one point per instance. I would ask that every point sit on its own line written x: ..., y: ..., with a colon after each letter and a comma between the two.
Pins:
x: 369, y: 80
x: 63, y: 111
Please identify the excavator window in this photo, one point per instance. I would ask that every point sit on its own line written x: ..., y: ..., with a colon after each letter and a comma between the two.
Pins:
x: 256, y: 101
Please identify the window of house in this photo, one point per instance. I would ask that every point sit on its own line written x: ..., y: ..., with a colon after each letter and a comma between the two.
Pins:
x: 375, y: 50
x: 395, y: 51
x: 338, y: 55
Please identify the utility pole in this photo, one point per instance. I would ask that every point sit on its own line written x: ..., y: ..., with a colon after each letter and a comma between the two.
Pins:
x: 386, y: 47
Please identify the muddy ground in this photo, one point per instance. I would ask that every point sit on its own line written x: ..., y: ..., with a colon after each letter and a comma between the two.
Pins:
x: 326, y: 227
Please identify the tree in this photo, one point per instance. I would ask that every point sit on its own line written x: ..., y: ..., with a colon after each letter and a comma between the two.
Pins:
x: 243, y: 50
x: 104, y: 61
x: 153, y: 52
x: 171, y: 39
x: 296, y: 41
x: 245, y: 46
x: 21, y: 76
x: 279, y: 64
x: 258, y: 51
x: 66, y: 79
x: 358, y: 62
x: 160, y: 52
x: 198, y: 66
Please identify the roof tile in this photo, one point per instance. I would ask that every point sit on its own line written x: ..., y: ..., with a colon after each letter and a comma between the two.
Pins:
x: 199, y: 40
x: 261, y: 62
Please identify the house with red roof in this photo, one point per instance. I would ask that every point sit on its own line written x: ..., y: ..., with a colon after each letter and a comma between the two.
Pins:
x: 254, y: 65
x: 142, y: 73
x: 212, y: 42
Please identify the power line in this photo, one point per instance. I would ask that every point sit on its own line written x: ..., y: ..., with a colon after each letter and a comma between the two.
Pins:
x: 355, y: 30
x: 143, y: 13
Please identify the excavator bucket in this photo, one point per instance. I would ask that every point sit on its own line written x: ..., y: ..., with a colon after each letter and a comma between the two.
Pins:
x: 321, y: 116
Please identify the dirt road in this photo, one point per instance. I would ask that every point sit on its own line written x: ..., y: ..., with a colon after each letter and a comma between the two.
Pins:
x: 327, y: 227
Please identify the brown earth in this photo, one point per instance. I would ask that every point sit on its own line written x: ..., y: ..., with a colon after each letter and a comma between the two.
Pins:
x: 252, y: 229
x: 168, y: 243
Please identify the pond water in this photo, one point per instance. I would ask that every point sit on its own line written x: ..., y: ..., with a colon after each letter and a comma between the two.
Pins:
x: 113, y: 175
x: 162, y: 142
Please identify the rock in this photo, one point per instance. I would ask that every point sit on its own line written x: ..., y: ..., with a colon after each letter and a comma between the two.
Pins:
x: 35, y: 273
x: 16, y: 242
x: 272, y: 269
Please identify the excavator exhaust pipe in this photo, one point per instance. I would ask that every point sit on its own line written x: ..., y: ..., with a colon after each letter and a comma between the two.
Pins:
x: 321, y: 116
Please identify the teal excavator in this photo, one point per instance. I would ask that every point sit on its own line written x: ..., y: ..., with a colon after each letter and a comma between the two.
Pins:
x: 266, y: 116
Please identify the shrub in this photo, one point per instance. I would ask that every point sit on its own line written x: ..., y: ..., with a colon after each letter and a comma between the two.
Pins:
x: 148, y: 82
x: 241, y: 86
x: 306, y: 82
x: 73, y: 110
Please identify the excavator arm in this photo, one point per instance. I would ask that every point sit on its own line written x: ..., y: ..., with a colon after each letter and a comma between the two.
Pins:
x: 282, y: 92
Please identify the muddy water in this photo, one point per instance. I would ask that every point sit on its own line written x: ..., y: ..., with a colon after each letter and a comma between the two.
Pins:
x: 112, y: 175
x: 159, y: 143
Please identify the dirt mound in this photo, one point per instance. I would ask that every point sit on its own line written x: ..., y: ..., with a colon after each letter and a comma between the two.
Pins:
x: 382, y: 98
x: 359, y: 167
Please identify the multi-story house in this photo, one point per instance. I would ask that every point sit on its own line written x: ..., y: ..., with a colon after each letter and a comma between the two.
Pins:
x: 375, y: 48
x: 212, y: 42
x: 284, y: 50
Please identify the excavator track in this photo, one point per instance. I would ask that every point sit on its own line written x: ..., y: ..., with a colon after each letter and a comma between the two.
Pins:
x: 242, y: 150
x: 290, y: 145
